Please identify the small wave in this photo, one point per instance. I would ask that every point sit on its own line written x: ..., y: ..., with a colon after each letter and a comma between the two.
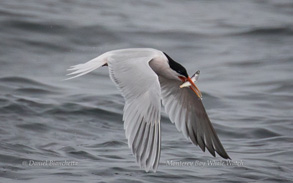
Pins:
x: 82, y: 155
x: 36, y: 127
x: 113, y: 143
x: 26, y: 95
x: 18, y: 109
x: 34, y: 91
x: 268, y: 31
x: 10, y: 159
x: 24, y: 82
x: 67, y: 174
x: 245, y: 63
x: 112, y: 157
x: 283, y: 86
x: 55, y: 41
x: 17, y: 148
x: 55, y: 44
x: 255, y: 133
x: 260, y: 133
x: 24, y: 106
x: 30, y: 26
x: 79, y: 154
x: 81, y: 110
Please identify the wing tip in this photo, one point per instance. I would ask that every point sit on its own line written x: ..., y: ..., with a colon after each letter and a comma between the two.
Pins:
x: 226, y: 156
x: 223, y: 154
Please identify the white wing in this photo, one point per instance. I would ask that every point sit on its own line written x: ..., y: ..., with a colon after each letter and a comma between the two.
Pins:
x: 139, y: 85
x: 186, y: 110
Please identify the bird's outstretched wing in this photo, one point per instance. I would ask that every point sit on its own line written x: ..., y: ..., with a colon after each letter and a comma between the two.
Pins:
x: 186, y: 110
x: 139, y: 85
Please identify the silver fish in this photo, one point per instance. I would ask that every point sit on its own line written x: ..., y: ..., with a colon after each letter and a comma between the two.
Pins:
x: 194, y: 78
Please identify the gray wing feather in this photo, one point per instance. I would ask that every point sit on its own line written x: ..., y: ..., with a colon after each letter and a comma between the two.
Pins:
x: 140, y: 88
x: 186, y: 110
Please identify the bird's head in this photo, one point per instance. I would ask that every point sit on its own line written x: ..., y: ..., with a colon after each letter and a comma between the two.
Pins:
x: 181, y: 74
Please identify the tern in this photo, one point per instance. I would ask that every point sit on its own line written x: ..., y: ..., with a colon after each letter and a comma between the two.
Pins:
x: 145, y: 77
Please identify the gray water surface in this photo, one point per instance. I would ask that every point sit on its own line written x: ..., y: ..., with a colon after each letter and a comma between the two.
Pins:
x: 244, y: 50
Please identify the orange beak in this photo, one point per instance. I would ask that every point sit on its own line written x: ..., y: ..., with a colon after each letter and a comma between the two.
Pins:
x: 194, y: 88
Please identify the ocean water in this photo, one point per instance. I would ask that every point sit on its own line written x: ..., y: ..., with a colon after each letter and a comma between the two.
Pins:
x: 72, y: 131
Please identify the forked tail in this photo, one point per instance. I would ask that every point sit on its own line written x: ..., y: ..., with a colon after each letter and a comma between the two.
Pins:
x: 82, y: 69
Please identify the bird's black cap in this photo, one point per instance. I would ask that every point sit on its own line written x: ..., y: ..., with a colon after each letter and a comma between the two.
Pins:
x: 176, y: 66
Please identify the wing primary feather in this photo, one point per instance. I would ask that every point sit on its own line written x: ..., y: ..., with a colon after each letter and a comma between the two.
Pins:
x: 143, y: 144
x: 200, y: 140
x: 131, y: 116
x: 183, y: 110
x: 129, y: 126
x: 218, y: 146
x: 153, y: 154
x: 125, y: 113
x: 135, y: 137
x: 192, y: 133
x: 172, y: 115
x: 155, y: 166
x: 133, y: 131
x: 138, y: 141
x: 209, y: 145
x: 149, y: 147
x: 143, y: 154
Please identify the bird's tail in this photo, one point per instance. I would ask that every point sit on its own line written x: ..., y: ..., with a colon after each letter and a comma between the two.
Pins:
x: 82, y: 69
